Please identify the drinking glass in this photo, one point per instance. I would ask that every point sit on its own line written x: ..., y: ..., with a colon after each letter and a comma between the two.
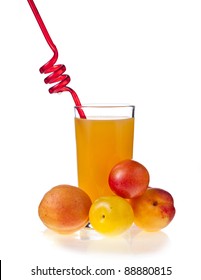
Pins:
x: 104, y: 138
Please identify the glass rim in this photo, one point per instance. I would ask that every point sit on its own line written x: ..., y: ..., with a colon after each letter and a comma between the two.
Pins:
x: 105, y: 105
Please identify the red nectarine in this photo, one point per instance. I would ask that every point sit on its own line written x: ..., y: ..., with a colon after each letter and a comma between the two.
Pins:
x: 128, y: 179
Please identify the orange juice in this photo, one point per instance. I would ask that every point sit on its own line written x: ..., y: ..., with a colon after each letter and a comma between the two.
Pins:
x: 101, y: 143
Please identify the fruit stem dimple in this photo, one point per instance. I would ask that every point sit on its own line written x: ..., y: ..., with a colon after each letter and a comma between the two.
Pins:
x: 155, y: 203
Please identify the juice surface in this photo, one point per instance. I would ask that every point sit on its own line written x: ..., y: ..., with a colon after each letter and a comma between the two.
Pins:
x: 101, y: 143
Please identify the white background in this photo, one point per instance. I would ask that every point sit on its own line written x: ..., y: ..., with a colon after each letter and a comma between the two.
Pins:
x: 147, y: 53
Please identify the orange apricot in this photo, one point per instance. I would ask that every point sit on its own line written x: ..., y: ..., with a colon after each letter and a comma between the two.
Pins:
x: 64, y: 209
x: 153, y: 210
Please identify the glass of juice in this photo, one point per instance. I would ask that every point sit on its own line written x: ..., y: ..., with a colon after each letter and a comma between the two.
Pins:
x: 104, y: 138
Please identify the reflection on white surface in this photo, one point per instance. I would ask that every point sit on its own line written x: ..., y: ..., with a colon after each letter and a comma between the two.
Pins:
x: 134, y: 241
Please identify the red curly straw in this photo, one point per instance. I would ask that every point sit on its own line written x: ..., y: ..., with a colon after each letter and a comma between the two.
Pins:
x: 57, y: 71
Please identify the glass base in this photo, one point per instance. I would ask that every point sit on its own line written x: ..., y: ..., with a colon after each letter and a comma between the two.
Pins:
x: 88, y: 233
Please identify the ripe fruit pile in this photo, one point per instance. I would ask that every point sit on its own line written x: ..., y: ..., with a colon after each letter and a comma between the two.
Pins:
x: 67, y: 209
